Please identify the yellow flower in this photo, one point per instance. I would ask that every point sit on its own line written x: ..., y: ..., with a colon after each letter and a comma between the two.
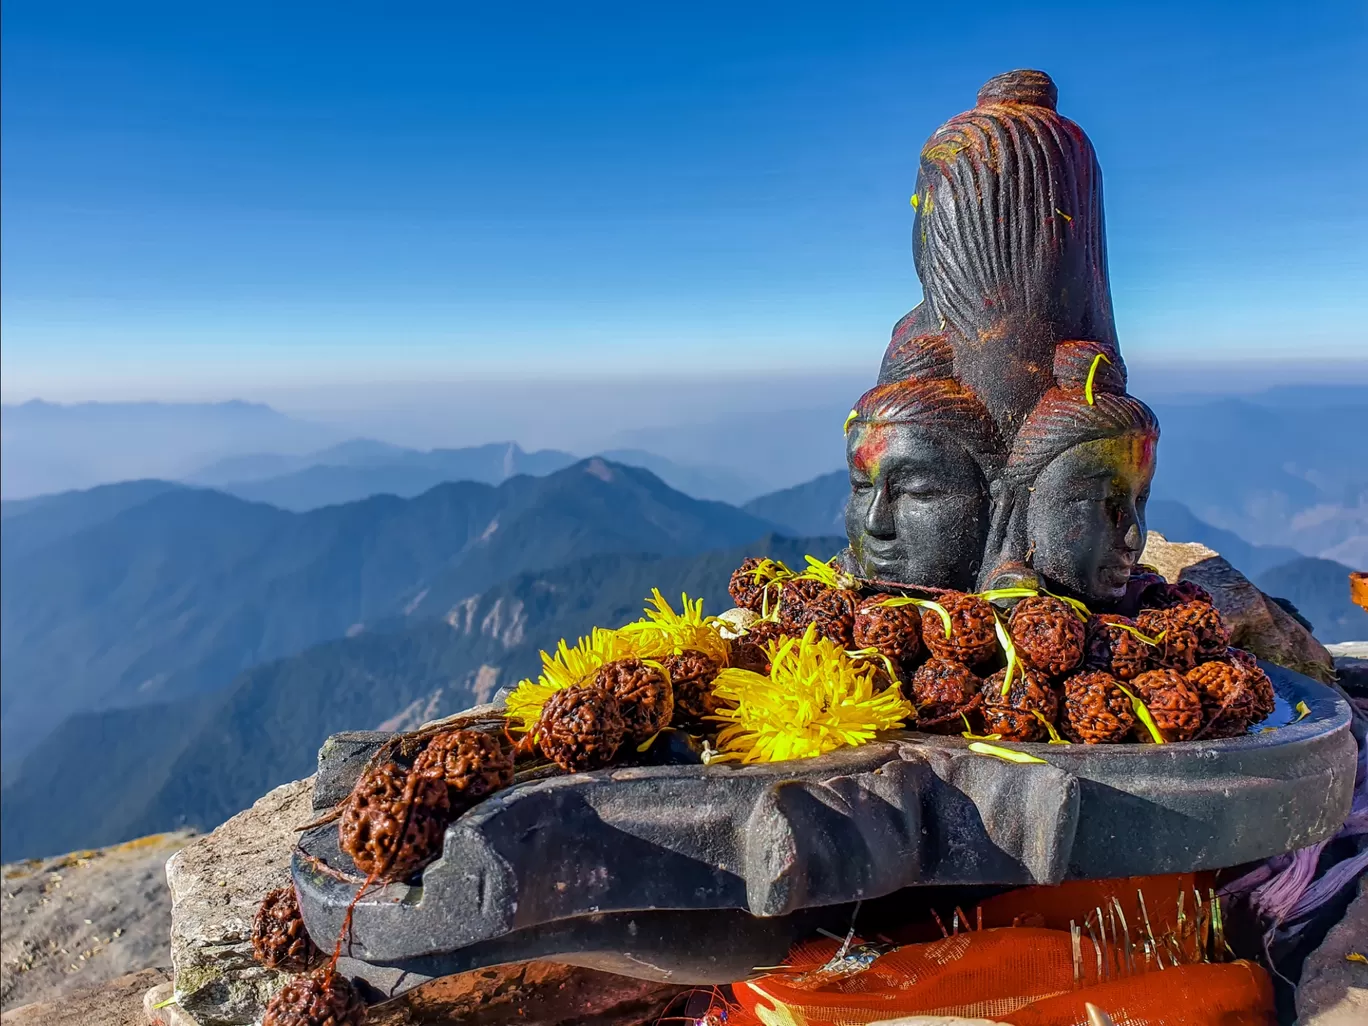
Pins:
x: 566, y: 668
x: 663, y: 632
x: 826, y: 574
x: 816, y: 699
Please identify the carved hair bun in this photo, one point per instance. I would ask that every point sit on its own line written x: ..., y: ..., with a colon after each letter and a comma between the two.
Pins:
x: 1034, y: 88
x: 1076, y: 361
x: 927, y: 357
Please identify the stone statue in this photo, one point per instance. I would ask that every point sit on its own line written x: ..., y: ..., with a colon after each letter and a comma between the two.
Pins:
x: 999, y: 446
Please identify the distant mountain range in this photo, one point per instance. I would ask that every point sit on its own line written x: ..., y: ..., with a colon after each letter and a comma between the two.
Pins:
x: 1285, y: 467
x: 177, y: 594
x: 52, y: 447
x: 1277, y: 468
x: 814, y: 507
x: 1319, y: 588
x: 214, y: 754
x: 361, y: 468
x: 258, y: 454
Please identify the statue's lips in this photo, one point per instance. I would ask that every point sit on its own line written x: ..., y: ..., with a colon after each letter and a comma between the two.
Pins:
x: 1115, y: 575
x: 883, y: 556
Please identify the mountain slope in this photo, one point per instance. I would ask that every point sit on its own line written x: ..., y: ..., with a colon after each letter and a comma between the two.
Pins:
x: 33, y: 523
x: 814, y: 507
x: 1319, y: 588
x: 179, y: 594
x: 1282, y: 468
x: 360, y: 468
x: 701, y: 482
x: 1178, y: 523
x: 213, y: 755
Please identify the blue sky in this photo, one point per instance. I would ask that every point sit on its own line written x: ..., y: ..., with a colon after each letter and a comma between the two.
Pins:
x: 205, y: 200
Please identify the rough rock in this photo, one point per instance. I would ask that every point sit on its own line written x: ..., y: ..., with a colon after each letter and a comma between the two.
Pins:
x: 117, y: 1002
x: 216, y: 884
x: 532, y: 994
x: 77, y: 920
x: 1257, y: 622
x: 1334, y: 988
x: 736, y: 620
x: 160, y: 1008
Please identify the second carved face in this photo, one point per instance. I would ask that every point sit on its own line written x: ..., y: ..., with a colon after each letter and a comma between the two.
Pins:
x: 1085, y: 520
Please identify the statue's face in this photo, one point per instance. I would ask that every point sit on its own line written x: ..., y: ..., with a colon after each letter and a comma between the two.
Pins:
x: 1086, y: 519
x: 918, y: 509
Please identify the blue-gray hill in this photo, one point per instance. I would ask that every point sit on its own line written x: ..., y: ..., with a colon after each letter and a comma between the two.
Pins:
x: 176, y: 595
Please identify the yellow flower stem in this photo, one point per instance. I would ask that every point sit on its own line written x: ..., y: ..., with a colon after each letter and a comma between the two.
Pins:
x: 1073, y: 603
x: 1142, y: 711
x: 979, y: 737
x: 1005, y: 640
x: 1152, y: 642
x: 874, y: 653
x: 1092, y: 373
x: 893, y: 603
x: 1055, y: 739
x: 1009, y: 754
x: 995, y: 594
x: 850, y: 419
x: 645, y: 745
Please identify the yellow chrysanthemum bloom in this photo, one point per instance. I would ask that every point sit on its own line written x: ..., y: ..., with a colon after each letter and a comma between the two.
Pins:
x: 567, y: 667
x: 663, y: 632
x: 816, y: 699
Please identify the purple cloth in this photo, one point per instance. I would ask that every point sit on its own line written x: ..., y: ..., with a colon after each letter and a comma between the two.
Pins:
x: 1285, y: 891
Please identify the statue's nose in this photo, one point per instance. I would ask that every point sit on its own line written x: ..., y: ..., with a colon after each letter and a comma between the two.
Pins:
x: 1132, y: 538
x: 879, y: 517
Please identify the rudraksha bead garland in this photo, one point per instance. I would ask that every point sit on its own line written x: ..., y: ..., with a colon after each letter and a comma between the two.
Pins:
x: 1078, y: 676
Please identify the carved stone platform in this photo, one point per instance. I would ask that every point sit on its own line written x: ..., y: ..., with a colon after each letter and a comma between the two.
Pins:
x: 700, y: 874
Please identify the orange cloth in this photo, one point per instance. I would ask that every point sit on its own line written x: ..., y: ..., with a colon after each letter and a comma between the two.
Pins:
x: 1023, y: 975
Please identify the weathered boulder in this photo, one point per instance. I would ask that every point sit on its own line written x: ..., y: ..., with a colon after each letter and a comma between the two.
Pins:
x: 218, y: 881
x: 1334, y: 987
x: 216, y: 884
x: 1257, y: 623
